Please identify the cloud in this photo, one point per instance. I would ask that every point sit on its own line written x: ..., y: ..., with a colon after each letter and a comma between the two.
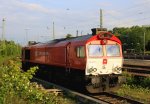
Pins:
x: 112, y: 13
x: 33, y: 7
x: 39, y: 14
x: 133, y: 14
x: 142, y: 1
x: 104, y: 4
x: 20, y: 5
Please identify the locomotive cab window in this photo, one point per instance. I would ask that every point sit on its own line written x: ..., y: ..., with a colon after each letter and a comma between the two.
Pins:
x: 95, y: 50
x: 80, y: 52
x: 113, y: 50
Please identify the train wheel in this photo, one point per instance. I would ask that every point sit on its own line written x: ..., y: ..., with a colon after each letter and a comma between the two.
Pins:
x: 92, y: 89
x: 98, y: 84
x: 94, y: 85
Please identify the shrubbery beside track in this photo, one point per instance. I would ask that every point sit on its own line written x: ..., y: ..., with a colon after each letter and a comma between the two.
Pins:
x: 15, y: 87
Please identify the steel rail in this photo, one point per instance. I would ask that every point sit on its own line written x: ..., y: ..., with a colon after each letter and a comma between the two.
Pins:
x: 115, y: 99
x: 138, y: 66
x: 137, y: 70
x: 79, y: 96
x: 91, y: 98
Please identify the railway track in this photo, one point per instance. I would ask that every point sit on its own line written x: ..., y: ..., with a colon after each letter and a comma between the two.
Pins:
x: 101, y: 98
x: 137, y: 70
x: 111, y: 98
x: 137, y: 67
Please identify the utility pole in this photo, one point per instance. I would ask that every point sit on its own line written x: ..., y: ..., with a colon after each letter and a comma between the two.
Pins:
x: 77, y: 32
x: 101, y: 18
x: 49, y: 31
x: 81, y: 33
x: 144, y: 43
x: 3, y: 29
x: 3, y: 37
x: 53, y: 30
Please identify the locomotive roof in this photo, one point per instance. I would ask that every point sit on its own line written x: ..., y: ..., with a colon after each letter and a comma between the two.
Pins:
x: 64, y: 41
x: 55, y: 41
x: 79, y: 38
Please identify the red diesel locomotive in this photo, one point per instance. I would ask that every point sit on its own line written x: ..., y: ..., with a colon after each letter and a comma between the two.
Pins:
x: 95, y: 60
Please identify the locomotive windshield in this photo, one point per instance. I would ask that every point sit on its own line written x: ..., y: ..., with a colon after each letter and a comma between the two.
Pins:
x: 95, y: 50
x: 112, y: 50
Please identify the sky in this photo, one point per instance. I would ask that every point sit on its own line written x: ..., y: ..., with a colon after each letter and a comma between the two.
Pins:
x: 32, y: 20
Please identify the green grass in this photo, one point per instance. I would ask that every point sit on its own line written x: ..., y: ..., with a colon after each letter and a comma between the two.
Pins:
x: 138, y: 93
x: 135, y: 87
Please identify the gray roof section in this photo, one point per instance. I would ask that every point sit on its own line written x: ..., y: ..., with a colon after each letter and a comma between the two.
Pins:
x: 79, y: 38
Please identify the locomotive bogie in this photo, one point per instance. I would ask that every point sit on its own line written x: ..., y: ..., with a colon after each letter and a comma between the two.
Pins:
x: 101, y: 83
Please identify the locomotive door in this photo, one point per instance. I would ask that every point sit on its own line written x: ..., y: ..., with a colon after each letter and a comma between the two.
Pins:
x: 68, y: 57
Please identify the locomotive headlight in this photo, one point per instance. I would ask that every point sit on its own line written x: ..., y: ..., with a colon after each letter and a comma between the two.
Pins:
x: 117, y: 69
x: 91, y: 70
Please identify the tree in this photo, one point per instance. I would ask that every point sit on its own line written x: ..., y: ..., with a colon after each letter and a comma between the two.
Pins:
x: 68, y: 36
x: 133, y: 37
x: 9, y: 48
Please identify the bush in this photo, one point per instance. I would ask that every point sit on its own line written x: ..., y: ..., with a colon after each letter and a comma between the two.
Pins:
x: 15, y: 87
x: 138, y: 81
x: 9, y: 48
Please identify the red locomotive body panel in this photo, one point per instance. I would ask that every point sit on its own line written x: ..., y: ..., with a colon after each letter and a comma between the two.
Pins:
x: 75, y: 61
x: 56, y: 56
x: 62, y: 54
